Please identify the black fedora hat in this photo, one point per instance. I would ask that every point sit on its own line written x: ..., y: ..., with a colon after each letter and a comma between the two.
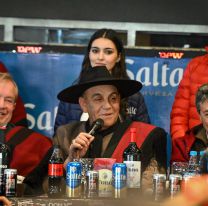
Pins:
x: 98, y: 76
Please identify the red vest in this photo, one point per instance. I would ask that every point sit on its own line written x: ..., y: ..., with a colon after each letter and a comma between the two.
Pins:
x: 29, y: 152
x: 181, y: 147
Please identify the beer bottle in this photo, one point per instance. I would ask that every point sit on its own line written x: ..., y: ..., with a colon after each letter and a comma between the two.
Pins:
x: 4, y: 164
x: 55, y: 173
x: 132, y: 159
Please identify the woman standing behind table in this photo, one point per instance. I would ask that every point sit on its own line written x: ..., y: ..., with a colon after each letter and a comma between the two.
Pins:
x: 105, y: 49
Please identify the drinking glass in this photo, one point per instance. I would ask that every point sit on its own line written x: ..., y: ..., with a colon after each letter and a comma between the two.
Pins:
x: 179, y: 168
x: 87, y: 164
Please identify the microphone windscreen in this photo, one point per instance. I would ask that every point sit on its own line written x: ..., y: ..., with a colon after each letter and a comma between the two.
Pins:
x: 96, y: 126
x: 100, y: 123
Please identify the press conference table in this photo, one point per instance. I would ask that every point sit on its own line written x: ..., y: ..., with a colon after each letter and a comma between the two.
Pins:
x: 45, y: 201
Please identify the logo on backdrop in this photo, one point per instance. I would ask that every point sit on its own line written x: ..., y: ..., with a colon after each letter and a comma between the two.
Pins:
x: 48, y: 74
x: 174, y: 55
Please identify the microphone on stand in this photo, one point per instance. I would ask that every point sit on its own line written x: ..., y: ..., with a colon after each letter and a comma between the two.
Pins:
x: 97, y: 125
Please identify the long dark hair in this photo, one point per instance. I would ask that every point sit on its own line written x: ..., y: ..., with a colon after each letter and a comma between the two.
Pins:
x: 119, y: 69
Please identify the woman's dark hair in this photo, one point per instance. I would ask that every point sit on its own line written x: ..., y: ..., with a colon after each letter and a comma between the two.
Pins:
x: 119, y: 69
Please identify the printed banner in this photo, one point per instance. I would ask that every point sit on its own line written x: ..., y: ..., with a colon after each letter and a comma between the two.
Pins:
x: 40, y: 77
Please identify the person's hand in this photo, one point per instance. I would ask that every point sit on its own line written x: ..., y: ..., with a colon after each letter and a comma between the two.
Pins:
x: 5, y: 201
x: 79, y: 146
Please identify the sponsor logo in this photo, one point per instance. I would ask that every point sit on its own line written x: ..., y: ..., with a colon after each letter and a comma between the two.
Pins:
x: 174, y: 55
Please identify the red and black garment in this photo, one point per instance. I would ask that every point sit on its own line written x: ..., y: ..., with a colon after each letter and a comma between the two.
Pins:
x: 182, y: 146
x: 150, y: 139
x: 30, y: 152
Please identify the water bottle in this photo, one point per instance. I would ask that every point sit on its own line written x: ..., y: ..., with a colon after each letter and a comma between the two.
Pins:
x: 193, y: 163
x: 204, y: 162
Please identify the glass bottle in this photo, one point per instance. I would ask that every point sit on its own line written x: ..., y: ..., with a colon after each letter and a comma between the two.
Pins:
x: 132, y: 159
x: 4, y: 164
x: 55, y: 173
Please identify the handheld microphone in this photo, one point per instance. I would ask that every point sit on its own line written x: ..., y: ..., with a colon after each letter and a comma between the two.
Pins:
x: 97, y: 125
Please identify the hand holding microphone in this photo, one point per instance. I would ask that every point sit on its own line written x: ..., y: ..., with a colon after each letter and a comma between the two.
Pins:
x: 81, y: 143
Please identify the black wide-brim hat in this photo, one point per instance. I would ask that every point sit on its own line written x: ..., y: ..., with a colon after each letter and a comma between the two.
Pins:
x: 98, y: 76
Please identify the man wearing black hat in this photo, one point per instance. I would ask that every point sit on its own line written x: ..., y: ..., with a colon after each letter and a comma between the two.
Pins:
x: 99, y: 94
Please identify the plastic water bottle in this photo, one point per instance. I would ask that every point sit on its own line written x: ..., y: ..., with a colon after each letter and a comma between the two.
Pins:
x: 201, y: 154
x: 193, y: 163
x: 204, y: 163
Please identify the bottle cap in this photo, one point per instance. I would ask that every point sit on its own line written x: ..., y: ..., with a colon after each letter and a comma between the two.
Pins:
x: 133, y: 130
x: 133, y: 134
x: 193, y: 153
x: 201, y: 153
